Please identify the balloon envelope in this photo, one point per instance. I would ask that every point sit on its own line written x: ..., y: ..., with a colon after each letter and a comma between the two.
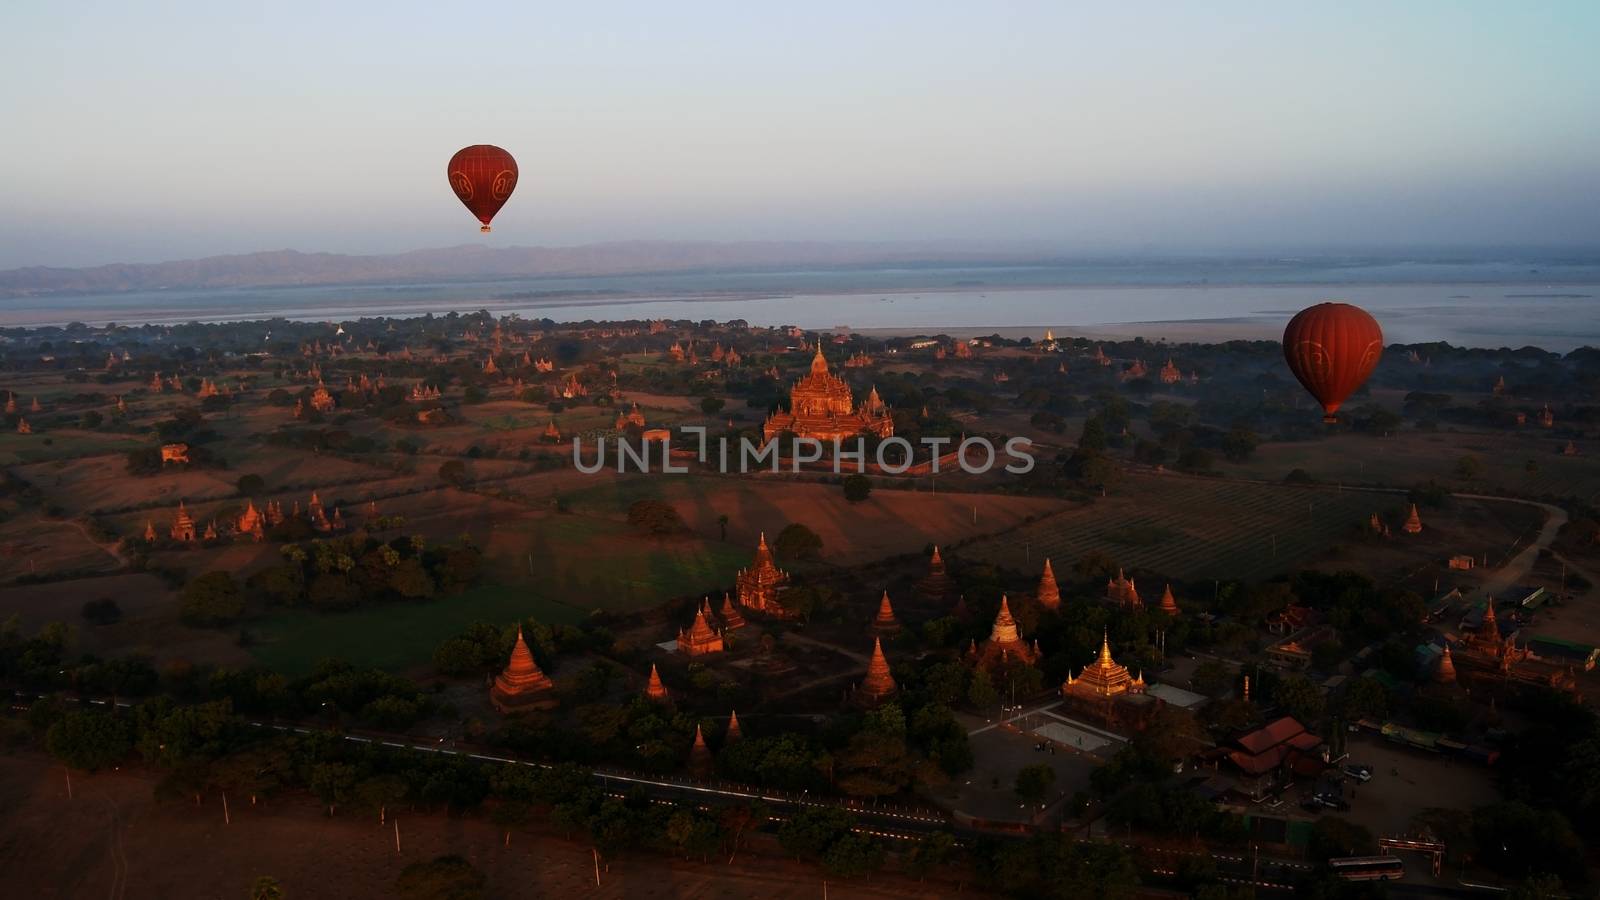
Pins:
x: 1332, y: 348
x: 483, y: 177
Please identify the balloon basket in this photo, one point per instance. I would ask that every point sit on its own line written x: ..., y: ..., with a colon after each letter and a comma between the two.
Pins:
x: 484, y: 229
x: 1330, y: 420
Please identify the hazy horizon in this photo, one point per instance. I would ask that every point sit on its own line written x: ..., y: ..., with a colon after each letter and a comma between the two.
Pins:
x: 148, y: 136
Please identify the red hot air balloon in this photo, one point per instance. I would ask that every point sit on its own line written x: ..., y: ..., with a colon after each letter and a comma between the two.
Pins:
x: 483, y: 177
x: 1332, y: 348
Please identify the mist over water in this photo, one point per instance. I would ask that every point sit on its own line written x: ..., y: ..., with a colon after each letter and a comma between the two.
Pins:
x: 1511, y: 303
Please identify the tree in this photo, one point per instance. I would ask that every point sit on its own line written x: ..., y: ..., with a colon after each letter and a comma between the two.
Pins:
x: 1333, y: 837
x: 445, y: 878
x: 1299, y: 697
x: 711, y: 405
x: 453, y: 472
x: 1034, y: 782
x: 211, y: 599
x: 813, y: 829
x: 266, y: 888
x: 1093, y: 437
x: 1468, y: 467
x: 796, y: 541
x: 1239, y: 443
x: 250, y: 484
x: 852, y: 855
x: 981, y: 692
x: 89, y: 739
x: 655, y: 517
x: 857, y: 487
x: 722, y: 525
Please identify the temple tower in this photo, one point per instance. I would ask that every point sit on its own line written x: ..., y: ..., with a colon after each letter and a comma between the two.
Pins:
x: 521, y: 686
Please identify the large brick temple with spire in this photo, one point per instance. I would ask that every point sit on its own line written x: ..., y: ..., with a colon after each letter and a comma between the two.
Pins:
x: 821, y: 406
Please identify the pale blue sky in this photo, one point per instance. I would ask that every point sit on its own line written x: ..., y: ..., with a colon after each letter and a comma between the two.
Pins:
x: 143, y: 131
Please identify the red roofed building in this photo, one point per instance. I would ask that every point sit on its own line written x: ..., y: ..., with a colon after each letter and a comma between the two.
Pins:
x: 1273, y: 754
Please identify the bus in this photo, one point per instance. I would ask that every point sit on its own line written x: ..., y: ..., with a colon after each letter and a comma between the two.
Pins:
x: 1368, y: 868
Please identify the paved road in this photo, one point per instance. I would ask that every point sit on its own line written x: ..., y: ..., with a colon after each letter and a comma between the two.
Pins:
x: 1516, y: 569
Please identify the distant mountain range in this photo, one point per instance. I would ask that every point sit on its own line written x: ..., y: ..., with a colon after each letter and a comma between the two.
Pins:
x: 278, y: 268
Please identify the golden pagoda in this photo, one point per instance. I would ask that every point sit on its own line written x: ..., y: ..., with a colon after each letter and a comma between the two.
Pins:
x: 700, y: 638
x: 699, y: 756
x: 149, y: 532
x: 936, y: 584
x: 1169, y: 604
x: 821, y: 406
x: 879, y: 684
x: 211, y: 531
x: 1049, y: 593
x: 34, y: 407
x: 1547, y: 419
x: 522, y: 686
x: 183, y: 525
x: 11, y: 403
x: 1005, y: 641
x: 1170, y: 374
x: 760, y: 585
x: 732, y: 733
x: 654, y: 689
x: 1122, y: 591
x: 732, y: 619
x: 1413, y: 523
x: 23, y: 427
x: 885, y: 624
x: 489, y: 368
x: 552, y: 433
x: 1103, y: 679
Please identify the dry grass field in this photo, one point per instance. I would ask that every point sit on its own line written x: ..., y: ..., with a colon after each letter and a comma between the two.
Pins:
x: 113, y: 840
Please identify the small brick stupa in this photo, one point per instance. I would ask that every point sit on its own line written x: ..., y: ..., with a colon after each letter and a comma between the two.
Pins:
x: 885, y: 624
x: 879, y: 684
x: 1169, y: 604
x: 1049, y: 593
x: 654, y: 690
x: 1413, y: 523
x: 522, y: 686
x: 936, y: 584
x: 183, y: 525
x: 1446, y: 673
x: 1122, y: 591
x: 731, y: 617
x: 699, y: 756
x: 1005, y: 641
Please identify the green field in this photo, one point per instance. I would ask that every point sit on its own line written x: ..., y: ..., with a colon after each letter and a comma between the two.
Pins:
x: 1411, y: 457
x: 1191, y: 528
x: 557, y: 569
x: 392, y: 636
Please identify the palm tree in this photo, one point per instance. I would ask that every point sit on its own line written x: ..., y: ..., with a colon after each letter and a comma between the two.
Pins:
x: 266, y: 888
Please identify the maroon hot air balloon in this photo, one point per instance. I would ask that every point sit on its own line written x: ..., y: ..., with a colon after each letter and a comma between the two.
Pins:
x: 483, y: 177
x: 1332, y: 348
